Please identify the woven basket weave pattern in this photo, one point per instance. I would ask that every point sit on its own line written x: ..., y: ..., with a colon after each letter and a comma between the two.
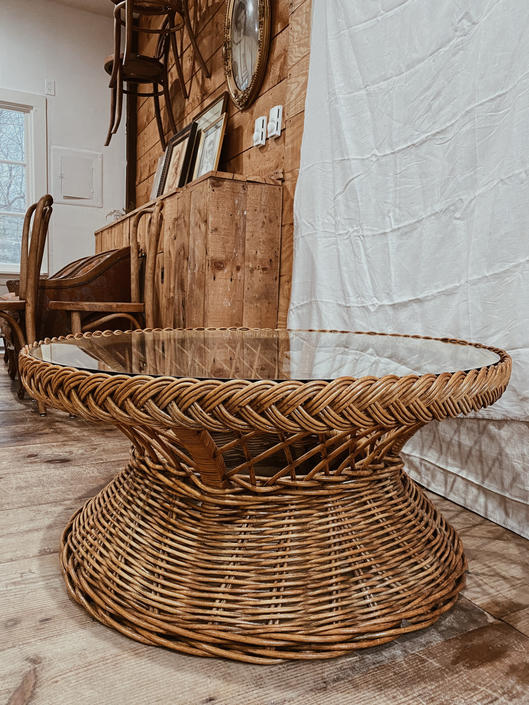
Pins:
x: 266, y: 579
x: 263, y: 520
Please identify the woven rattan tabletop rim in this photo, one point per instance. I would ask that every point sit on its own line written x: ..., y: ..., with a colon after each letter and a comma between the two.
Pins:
x: 316, y: 406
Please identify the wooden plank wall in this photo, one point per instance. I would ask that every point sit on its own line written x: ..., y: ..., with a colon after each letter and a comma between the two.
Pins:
x: 285, y: 84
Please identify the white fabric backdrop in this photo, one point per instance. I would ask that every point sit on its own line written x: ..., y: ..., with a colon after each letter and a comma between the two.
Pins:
x: 412, y: 204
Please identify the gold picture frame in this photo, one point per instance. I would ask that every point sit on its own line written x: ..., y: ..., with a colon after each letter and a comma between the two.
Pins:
x: 178, y: 158
x: 246, y: 47
x: 212, y: 111
x: 210, y: 147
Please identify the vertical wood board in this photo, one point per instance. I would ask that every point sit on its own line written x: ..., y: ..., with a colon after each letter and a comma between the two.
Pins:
x: 262, y: 247
x: 225, y: 250
x: 196, y: 265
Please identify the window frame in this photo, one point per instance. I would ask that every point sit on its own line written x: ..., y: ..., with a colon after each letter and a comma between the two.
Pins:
x: 36, y: 153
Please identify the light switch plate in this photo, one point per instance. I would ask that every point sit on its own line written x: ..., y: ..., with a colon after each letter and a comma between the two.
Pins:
x: 275, y: 121
x: 49, y: 87
x: 259, y: 133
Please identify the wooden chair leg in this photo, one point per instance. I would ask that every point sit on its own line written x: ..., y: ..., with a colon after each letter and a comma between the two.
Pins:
x: 21, y: 392
x: 168, y: 105
x: 11, y: 364
x: 119, y: 106
x: 194, y: 40
x: 179, y: 69
x: 76, y: 322
x: 113, y: 92
x: 158, y: 114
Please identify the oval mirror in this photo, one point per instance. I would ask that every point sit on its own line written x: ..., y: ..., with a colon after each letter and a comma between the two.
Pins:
x: 246, y: 45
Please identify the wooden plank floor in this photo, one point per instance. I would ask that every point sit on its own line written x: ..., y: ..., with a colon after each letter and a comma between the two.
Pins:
x: 53, y: 653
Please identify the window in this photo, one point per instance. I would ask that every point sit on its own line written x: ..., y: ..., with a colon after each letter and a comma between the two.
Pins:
x: 22, y: 168
x: 13, y: 183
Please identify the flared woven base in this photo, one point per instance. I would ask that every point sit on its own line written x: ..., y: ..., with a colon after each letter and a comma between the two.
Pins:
x: 256, y: 578
x: 262, y: 519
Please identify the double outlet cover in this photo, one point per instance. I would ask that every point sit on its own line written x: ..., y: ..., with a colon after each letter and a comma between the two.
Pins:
x: 275, y: 124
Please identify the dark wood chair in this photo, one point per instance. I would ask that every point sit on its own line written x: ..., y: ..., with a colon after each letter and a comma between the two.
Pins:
x: 19, y: 312
x: 104, y: 276
x: 85, y: 315
x: 101, y: 277
x: 95, y: 277
x: 134, y: 68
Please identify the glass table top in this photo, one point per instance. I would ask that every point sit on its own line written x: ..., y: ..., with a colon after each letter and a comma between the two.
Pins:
x: 262, y: 354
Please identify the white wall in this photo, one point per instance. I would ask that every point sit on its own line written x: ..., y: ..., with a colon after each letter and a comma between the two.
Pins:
x: 43, y: 40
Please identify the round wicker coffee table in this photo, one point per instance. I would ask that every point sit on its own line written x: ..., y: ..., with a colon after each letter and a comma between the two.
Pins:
x: 265, y: 513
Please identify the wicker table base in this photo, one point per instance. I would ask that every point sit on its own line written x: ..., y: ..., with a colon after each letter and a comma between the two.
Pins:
x: 300, y: 575
x: 261, y: 519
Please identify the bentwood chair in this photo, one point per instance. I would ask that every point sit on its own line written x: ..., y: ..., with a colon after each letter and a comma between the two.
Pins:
x: 91, y: 315
x: 18, y: 312
x: 132, y: 67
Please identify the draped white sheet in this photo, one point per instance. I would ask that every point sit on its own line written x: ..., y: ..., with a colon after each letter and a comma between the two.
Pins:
x: 412, y: 205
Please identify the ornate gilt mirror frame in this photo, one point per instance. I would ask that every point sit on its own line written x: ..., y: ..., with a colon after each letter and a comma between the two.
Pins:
x: 246, y: 47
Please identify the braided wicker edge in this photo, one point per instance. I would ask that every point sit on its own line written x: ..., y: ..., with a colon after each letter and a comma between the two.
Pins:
x: 316, y: 406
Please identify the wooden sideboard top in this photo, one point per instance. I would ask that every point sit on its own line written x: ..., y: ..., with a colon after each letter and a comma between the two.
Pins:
x: 211, y: 175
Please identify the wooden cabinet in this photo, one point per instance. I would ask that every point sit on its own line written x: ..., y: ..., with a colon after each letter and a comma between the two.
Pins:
x: 218, y: 263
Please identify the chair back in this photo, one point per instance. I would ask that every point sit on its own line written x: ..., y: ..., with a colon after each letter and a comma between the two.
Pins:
x: 154, y: 228
x: 125, y: 13
x: 36, y: 222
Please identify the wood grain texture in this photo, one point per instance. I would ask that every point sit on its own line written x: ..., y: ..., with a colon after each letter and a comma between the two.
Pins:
x: 289, y: 189
x: 519, y: 620
x: 176, y: 251
x: 196, y: 266
x: 225, y: 253
x: 285, y: 274
x: 285, y: 84
x: 24, y: 692
x: 204, y: 274
x: 496, y: 587
x: 262, y: 251
x: 299, y: 28
x: 297, y: 89
x: 95, y: 306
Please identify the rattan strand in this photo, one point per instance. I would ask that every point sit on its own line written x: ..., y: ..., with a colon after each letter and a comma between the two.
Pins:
x: 287, y: 529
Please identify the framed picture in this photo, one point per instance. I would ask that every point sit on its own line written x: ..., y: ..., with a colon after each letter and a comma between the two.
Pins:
x: 246, y: 46
x: 177, y: 161
x: 209, y: 148
x: 213, y: 111
x: 157, y: 178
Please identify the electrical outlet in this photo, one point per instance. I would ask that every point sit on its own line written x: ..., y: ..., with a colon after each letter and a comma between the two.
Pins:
x: 49, y: 87
x: 259, y: 134
x: 275, y: 121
